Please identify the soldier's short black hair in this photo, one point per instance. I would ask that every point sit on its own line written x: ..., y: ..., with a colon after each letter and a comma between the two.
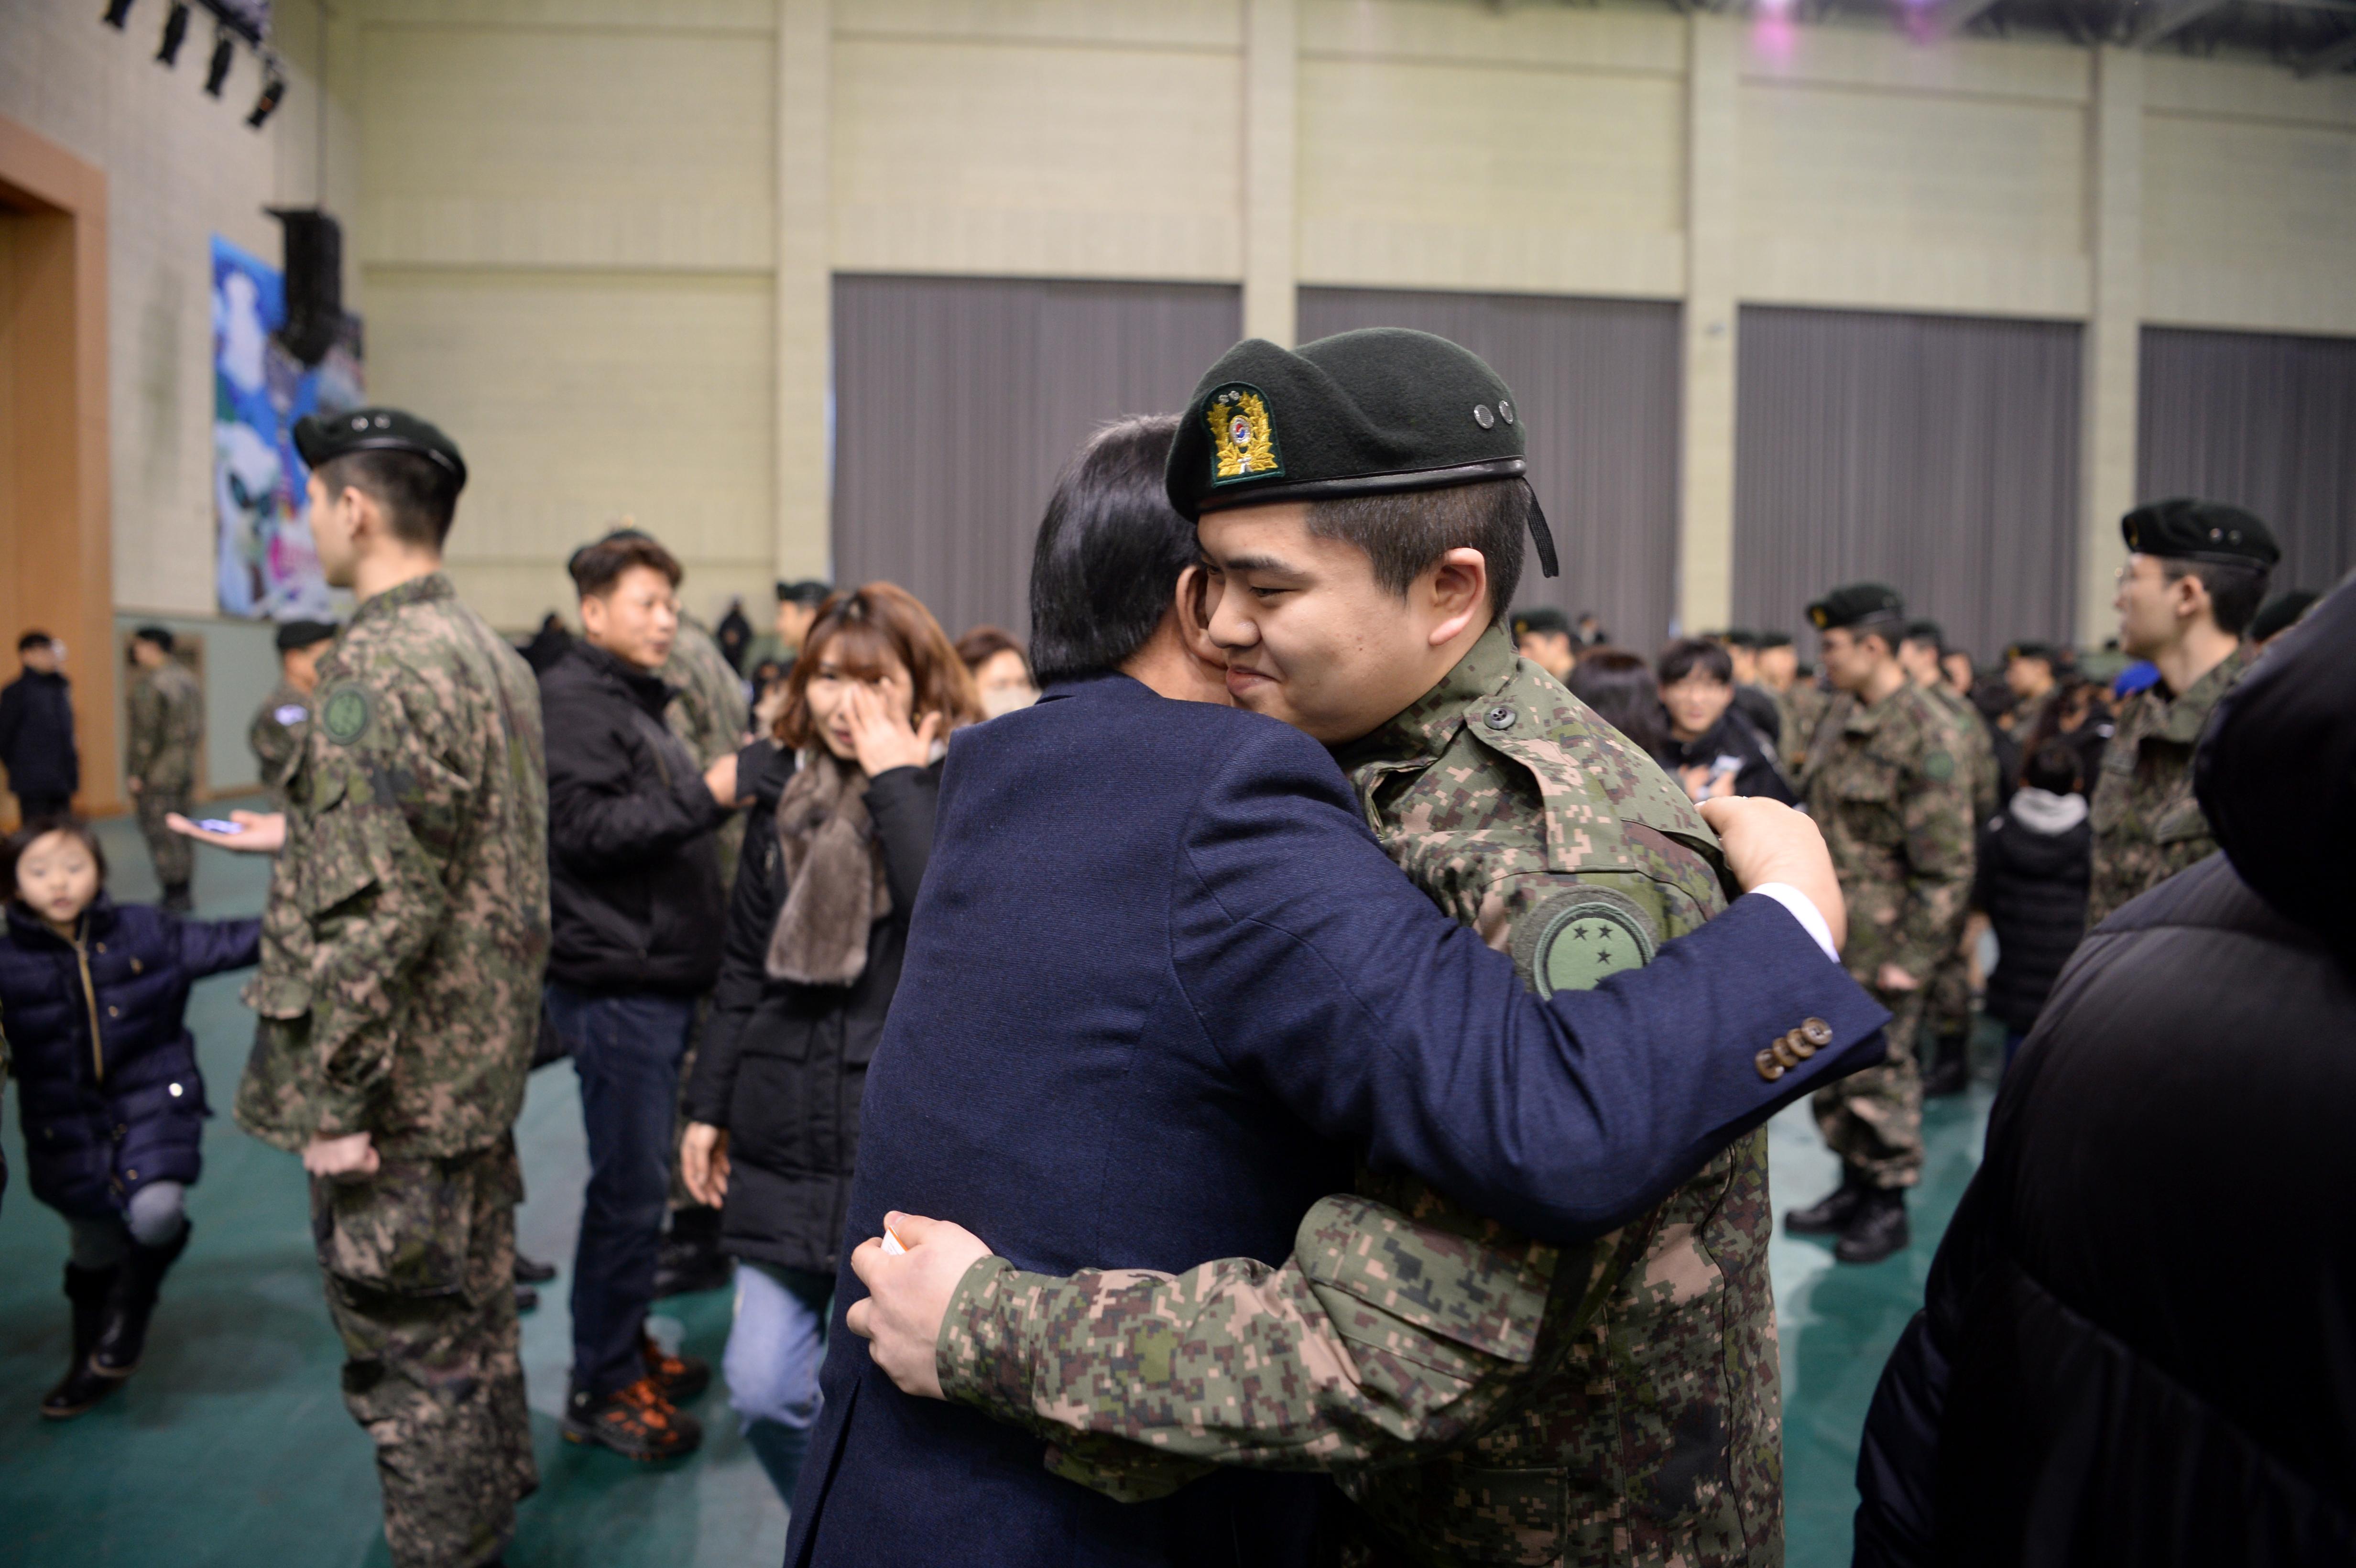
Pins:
x: 595, y: 568
x: 2235, y: 591
x: 1925, y: 632
x: 1774, y: 640
x: 13, y: 848
x: 159, y: 635
x: 1110, y: 550
x: 1695, y: 655
x: 419, y: 498
x: 1405, y: 532
x: 34, y: 640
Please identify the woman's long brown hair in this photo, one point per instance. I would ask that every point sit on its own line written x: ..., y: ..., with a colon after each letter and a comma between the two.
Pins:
x: 855, y: 630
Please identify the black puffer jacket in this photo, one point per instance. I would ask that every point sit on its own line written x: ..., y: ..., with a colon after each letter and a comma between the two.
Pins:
x: 1734, y: 736
x: 782, y: 1066
x: 2032, y: 886
x: 36, y: 735
x: 634, y: 882
x: 2138, y: 1344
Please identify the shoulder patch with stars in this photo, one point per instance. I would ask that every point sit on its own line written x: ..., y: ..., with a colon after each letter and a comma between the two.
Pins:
x: 1580, y: 937
x: 1243, y: 437
x: 344, y: 715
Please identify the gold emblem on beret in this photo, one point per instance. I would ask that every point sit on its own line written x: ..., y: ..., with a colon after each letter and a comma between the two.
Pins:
x: 1243, y: 441
x: 1818, y: 616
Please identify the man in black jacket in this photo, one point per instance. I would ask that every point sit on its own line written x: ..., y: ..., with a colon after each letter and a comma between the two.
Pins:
x: 37, y: 732
x: 634, y: 907
x: 2137, y: 1339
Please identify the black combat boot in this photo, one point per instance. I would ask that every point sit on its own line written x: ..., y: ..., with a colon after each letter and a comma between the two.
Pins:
x: 122, y: 1333
x: 531, y: 1271
x: 86, y: 1290
x: 177, y: 900
x: 1830, y: 1215
x: 1878, y: 1229
x: 1950, y: 1072
x: 691, y: 1259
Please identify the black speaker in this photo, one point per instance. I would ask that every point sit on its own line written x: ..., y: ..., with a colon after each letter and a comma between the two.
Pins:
x: 315, y: 282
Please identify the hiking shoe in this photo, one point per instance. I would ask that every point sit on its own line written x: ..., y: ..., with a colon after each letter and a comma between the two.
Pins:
x: 635, y: 1422
x: 680, y: 1378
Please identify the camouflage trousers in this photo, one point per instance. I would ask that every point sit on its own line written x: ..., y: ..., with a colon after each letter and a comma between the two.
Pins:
x: 1873, y: 1119
x: 1948, y: 1012
x: 174, y: 857
x: 420, y: 1263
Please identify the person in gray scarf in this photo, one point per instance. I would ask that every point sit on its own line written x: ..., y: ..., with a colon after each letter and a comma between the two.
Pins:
x: 840, y: 833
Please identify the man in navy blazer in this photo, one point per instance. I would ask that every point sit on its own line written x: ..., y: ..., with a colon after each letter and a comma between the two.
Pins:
x: 1163, y: 990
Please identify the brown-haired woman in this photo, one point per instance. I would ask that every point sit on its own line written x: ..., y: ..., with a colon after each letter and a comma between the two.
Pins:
x: 833, y: 854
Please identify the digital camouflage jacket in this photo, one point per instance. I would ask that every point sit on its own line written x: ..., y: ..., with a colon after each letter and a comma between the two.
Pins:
x: 275, y: 736
x: 1887, y: 785
x: 1976, y: 748
x: 167, y: 726
x: 407, y: 926
x: 707, y: 712
x: 2148, y: 824
x: 1621, y: 1401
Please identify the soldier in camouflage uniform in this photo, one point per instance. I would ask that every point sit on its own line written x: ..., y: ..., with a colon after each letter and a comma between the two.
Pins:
x: 167, y: 726
x: 398, y: 992
x: 2195, y: 576
x: 276, y: 733
x: 1614, y: 1404
x: 1887, y: 784
x: 1947, y: 1014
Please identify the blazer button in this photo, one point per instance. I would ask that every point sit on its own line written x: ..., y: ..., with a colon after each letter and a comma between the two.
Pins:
x: 1781, y: 1051
x: 1769, y: 1068
x: 1799, y: 1044
x: 1817, y: 1032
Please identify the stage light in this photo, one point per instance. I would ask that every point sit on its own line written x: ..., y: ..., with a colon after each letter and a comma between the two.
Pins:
x: 217, y: 72
x: 273, y: 88
x: 117, y: 13
x: 175, y: 33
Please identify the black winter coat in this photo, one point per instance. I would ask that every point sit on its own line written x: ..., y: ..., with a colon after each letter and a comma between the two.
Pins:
x: 36, y: 735
x: 104, y: 1120
x: 2137, y: 1341
x: 1734, y: 736
x: 782, y: 1066
x: 634, y: 876
x: 2032, y: 887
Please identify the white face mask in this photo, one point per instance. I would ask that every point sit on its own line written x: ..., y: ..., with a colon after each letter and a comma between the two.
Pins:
x: 998, y: 699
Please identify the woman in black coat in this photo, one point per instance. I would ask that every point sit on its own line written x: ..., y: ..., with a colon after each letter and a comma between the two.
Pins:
x: 833, y: 857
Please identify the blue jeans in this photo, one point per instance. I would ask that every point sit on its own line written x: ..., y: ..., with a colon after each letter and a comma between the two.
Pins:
x: 625, y: 1051
x: 772, y: 1360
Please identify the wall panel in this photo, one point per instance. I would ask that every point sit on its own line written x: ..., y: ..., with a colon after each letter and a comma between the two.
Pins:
x: 1935, y: 454
x: 959, y: 400
x: 2264, y: 422
x: 1596, y: 383
x: 2249, y: 222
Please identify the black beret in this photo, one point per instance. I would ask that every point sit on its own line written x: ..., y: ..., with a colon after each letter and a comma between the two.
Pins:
x: 810, y: 591
x: 323, y: 438
x: 1774, y: 639
x: 2031, y: 650
x: 293, y: 634
x: 1929, y: 632
x: 1541, y: 618
x: 2281, y: 612
x: 1738, y: 639
x: 159, y: 635
x: 2185, y: 530
x: 1859, y: 605
x: 1371, y: 412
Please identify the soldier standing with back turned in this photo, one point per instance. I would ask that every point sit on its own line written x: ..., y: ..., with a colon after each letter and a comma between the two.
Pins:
x: 167, y: 725
x: 399, y: 994
x: 1886, y: 783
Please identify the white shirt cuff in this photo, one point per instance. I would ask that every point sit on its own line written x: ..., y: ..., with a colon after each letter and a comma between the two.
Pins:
x: 1805, y: 911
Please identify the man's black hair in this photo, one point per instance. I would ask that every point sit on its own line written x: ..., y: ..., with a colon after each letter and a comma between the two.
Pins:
x: 1774, y: 640
x: 1738, y: 639
x: 2234, y: 592
x: 596, y: 567
x: 1407, y: 532
x: 2054, y: 767
x: 159, y: 635
x: 418, y: 495
x: 13, y: 848
x: 1111, y: 549
x: 1927, y: 632
x: 1696, y: 656
x: 34, y: 640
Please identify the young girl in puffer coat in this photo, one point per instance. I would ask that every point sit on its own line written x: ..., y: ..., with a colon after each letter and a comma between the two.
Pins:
x: 92, y: 998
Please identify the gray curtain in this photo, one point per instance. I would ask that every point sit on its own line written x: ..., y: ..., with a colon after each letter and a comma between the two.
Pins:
x: 1596, y: 382
x: 958, y: 400
x: 1938, y: 455
x: 2263, y: 421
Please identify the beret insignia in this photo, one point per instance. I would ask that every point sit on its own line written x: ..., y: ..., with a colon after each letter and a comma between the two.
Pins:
x: 1243, y: 440
x: 344, y: 715
x: 1575, y: 941
x: 1818, y: 616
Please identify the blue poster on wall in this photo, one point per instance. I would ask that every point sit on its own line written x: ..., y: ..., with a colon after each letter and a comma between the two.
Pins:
x: 266, y: 567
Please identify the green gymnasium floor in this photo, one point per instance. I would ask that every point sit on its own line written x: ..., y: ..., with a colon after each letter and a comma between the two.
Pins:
x: 231, y: 1445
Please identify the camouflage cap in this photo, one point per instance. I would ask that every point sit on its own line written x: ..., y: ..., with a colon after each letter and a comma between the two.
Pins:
x: 323, y: 438
x: 293, y: 634
x: 1541, y: 618
x: 2183, y: 529
x: 1872, y: 604
x: 1372, y: 413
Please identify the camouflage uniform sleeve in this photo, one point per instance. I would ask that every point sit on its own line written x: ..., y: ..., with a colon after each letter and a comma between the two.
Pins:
x: 384, y: 810
x: 146, y: 716
x: 1935, y: 812
x: 1381, y: 1339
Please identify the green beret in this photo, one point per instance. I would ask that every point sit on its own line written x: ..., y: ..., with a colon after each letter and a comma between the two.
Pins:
x: 1859, y: 605
x: 2281, y: 612
x: 1541, y: 618
x: 295, y: 634
x: 1371, y: 412
x: 322, y: 438
x: 2183, y: 529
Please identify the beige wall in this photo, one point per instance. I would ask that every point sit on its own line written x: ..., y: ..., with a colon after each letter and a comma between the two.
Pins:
x: 593, y: 236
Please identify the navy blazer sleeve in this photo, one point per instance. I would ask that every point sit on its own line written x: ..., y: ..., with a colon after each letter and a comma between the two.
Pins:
x: 1316, y: 968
